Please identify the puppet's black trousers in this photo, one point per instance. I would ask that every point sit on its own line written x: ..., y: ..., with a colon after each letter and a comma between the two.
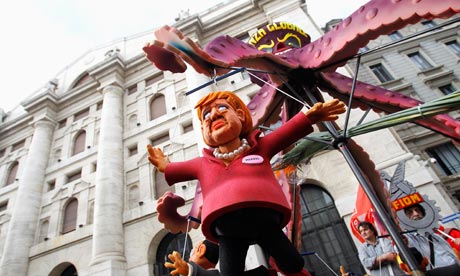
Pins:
x: 237, y: 230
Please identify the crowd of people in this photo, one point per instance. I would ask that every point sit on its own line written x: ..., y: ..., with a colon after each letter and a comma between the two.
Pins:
x: 433, y: 252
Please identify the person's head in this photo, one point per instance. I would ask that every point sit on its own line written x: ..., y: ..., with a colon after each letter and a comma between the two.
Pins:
x: 367, y: 230
x: 415, y: 212
x: 205, y: 254
x: 231, y: 109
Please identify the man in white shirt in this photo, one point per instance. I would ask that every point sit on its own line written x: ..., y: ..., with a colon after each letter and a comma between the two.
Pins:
x: 377, y: 255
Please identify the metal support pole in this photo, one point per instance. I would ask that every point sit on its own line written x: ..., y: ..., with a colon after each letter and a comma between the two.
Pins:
x: 294, y: 210
x: 340, y: 143
x: 382, y: 212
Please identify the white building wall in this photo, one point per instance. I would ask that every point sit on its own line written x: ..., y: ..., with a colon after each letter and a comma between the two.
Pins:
x: 141, y: 232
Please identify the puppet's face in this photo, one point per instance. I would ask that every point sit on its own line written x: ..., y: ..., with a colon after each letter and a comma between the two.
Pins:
x: 279, y: 37
x: 220, y: 123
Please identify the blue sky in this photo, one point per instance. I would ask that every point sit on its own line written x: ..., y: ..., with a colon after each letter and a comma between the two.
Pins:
x: 40, y: 37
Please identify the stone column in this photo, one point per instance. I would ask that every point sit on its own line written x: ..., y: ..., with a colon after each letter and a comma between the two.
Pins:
x: 108, y: 238
x: 23, y: 223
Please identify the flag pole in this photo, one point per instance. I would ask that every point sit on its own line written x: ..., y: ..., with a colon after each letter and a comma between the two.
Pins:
x: 445, y: 234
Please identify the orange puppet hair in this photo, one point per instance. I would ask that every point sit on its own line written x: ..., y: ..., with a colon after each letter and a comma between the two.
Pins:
x: 234, y: 101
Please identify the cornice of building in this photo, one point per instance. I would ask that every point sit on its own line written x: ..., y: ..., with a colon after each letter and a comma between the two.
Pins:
x: 45, y: 99
x: 110, y: 71
x: 275, y: 9
x: 12, y: 127
x: 78, y: 94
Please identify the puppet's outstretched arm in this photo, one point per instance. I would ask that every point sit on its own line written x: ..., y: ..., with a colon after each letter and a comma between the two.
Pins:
x: 168, y: 204
x: 328, y: 111
x: 158, y: 158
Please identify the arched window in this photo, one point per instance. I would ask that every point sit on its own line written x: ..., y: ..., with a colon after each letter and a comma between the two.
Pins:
x: 170, y: 243
x: 12, y: 173
x: 157, y: 107
x: 79, y: 143
x: 70, y: 216
x: 325, y: 233
x: 64, y: 269
x: 161, y: 186
x: 70, y: 271
x: 83, y: 79
x: 133, y: 196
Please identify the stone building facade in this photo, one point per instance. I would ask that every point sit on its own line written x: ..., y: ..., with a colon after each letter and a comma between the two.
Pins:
x: 78, y: 195
x: 424, y: 67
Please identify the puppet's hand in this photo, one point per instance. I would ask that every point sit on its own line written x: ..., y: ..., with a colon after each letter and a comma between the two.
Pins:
x: 179, y: 265
x: 167, y: 212
x: 328, y: 111
x: 157, y: 158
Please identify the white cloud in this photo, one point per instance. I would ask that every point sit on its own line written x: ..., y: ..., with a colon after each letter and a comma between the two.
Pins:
x: 39, y: 38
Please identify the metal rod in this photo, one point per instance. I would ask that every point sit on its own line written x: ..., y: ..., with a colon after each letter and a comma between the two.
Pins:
x: 294, y: 209
x: 189, y: 218
x: 293, y: 91
x: 194, y: 219
x: 316, y: 254
x: 378, y: 205
x: 214, y: 80
x: 350, y: 99
x: 445, y: 234
x: 403, y: 232
x: 381, y: 211
x: 251, y: 70
x: 363, y: 117
x: 306, y: 137
x: 186, y: 236
x: 277, y: 89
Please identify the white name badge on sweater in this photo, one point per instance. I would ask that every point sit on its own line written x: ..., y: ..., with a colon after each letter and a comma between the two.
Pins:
x: 253, y: 159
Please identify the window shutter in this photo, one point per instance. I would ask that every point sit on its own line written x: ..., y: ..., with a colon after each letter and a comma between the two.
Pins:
x: 70, y: 216
x: 12, y: 174
x: 157, y: 107
x: 79, y: 144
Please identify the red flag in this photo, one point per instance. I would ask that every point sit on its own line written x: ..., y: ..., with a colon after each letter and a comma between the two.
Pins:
x: 363, y: 211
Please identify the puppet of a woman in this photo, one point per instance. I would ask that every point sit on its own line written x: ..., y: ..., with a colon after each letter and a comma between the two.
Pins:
x: 243, y: 203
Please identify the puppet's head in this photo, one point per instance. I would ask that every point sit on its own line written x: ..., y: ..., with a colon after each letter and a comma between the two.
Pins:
x: 278, y: 37
x: 234, y: 101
